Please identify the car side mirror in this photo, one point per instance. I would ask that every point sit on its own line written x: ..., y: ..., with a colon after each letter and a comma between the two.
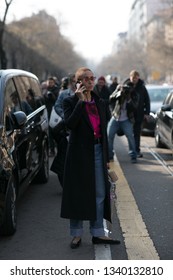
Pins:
x: 166, y: 107
x: 19, y: 118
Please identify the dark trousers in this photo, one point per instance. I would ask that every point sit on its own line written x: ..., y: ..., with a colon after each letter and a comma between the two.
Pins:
x: 51, y: 140
x: 137, y: 134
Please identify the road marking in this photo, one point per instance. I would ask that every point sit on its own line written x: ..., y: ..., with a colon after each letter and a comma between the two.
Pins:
x: 139, y: 245
x: 159, y: 159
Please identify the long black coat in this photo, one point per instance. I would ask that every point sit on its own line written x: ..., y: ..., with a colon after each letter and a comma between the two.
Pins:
x: 79, y: 197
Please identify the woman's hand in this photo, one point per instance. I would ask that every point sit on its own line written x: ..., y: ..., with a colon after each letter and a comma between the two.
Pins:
x: 81, y: 91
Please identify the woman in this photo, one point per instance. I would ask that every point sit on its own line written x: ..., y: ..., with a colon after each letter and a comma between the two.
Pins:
x: 86, y: 190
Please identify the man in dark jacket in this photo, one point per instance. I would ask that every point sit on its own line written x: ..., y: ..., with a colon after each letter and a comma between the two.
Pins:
x: 114, y: 85
x: 143, y: 110
x: 101, y: 89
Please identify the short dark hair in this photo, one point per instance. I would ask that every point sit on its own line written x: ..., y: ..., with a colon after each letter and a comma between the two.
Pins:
x: 52, y: 79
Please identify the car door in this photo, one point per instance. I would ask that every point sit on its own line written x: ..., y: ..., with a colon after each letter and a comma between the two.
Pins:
x: 19, y: 146
x: 25, y: 87
x: 167, y: 120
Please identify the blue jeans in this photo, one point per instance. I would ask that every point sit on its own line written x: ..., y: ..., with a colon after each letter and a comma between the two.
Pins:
x: 96, y: 227
x: 127, y: 127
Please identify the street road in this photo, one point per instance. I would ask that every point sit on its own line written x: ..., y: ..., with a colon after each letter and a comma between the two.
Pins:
x: 143, y: 220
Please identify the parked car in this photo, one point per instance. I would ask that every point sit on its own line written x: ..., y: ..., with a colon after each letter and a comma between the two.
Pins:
x: 23, y: 141
x: 157, y: 94
x: 164, y: 123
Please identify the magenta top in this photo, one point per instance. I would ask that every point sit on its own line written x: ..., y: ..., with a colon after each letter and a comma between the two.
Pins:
x: 94, y: 117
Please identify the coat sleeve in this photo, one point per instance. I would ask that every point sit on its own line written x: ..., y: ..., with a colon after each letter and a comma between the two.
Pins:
x: 132, y: 105
x: 59, y: 106
x: 72, y: 112
x: 146, y: 101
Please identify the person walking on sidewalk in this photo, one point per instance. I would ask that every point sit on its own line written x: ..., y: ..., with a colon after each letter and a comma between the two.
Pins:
x: 86, y: 189
x: 50, y: 96
x: 143, y: 110
x: 113, y: 85
x: 124, y: 101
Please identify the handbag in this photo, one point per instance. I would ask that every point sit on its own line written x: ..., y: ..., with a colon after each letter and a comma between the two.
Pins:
x: 112, y: 176
x: 54, y: 118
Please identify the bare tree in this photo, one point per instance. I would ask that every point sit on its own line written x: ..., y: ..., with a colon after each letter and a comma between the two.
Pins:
x: 3, y: 58
x: 131, y: 56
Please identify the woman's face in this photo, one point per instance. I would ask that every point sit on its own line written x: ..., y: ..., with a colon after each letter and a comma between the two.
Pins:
x: 88, y: 80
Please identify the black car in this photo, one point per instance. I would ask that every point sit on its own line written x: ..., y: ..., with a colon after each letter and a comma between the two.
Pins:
x: 23, y: 141
x: 157, y: 94
x: 164, y: 124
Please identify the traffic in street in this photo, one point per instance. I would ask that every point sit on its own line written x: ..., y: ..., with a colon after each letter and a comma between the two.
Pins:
x: 142, y: 214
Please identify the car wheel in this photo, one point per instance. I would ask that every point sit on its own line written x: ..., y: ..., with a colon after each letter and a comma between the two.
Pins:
x: 8, y: 226
x: 158, y: 141
x: 43, y: 174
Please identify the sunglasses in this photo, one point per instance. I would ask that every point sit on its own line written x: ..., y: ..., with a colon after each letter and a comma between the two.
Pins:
x: 87, y: 79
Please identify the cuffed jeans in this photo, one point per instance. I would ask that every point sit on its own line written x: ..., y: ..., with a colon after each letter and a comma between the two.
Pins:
x: 127, y: 127
x: 96, y: 227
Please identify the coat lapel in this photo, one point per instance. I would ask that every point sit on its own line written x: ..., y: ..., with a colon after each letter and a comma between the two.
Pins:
x: 99, y: 107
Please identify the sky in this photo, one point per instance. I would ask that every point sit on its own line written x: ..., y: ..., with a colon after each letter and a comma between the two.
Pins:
x: 91, y: 25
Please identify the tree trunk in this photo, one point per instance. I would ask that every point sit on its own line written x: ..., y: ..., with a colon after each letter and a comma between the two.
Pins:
x: 3, y: 58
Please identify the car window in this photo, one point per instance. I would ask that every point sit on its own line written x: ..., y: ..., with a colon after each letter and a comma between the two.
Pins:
x: 34, y: 97
x: 158, y: 94
x: 12, y: 97
x: 22, y: 84
x: 29, y: 92
x: 35, y: 87
x: 171, y: 100
x: 167, y: 99
x: 11, y: 103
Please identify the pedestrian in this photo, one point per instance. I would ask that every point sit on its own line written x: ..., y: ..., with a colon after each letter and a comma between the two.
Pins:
x: 64, y: 84
x: 102, y: 89
x: 50, y: 97
x: 112, y: 88
x: 65, y: 93
x: 86, y: 189
x: 143, y: 110
x: 113, y: 85
x: 60, y: 132
x: 125, y: 102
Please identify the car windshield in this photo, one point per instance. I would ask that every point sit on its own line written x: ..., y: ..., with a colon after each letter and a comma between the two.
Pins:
x: 158, y: 94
